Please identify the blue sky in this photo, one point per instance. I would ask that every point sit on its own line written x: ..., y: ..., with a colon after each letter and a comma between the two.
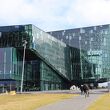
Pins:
x: 55, y: 14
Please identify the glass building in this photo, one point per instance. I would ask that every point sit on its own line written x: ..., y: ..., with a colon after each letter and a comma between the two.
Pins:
x: 95, y: 41
x: 53, y: 60
x: 47, y: 60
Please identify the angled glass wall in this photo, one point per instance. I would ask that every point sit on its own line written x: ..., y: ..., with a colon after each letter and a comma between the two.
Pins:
x: 54, y: 51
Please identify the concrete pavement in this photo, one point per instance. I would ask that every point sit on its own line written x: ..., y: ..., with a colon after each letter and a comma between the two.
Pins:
x: 75, y: 103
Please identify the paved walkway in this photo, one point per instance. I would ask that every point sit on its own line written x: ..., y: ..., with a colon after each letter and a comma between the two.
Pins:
x: 75, y: 103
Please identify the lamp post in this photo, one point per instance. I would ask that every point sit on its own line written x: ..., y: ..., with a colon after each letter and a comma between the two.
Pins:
x: 22, y: 78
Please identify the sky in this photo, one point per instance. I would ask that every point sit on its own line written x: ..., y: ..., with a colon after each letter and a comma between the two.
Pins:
x: 51, y: 15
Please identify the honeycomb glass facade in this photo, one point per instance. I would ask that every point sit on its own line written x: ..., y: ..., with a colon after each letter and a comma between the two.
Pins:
x: 95, y: 41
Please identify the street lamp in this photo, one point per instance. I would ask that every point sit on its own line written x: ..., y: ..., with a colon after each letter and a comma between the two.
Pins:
x: 24, y: 45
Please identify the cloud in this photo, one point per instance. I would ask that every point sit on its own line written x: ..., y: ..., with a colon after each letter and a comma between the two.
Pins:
x: 89, y: 12
x: 55, y: 14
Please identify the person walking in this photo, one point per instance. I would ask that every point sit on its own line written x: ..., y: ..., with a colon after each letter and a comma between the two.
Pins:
x: 86, y: 90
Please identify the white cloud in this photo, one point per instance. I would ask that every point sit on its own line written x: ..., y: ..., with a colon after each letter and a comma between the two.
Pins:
x: 90, y: 12
x: 55, y: 14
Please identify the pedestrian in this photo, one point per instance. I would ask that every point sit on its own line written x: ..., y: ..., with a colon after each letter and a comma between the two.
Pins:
x: 86, y: 90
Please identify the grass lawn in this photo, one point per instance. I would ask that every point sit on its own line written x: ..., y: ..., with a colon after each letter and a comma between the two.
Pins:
x: 103, y: 103
x: 29, y: 101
